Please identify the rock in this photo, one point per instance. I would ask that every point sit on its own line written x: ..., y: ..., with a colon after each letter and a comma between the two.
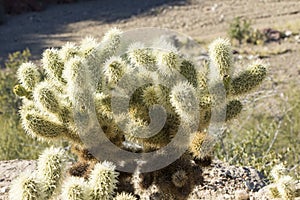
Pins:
x: 242, y: 195
x: 297, y: 38
x: 220, y: 180
x: 272, y: 35
x: 3, y: 190
x: 288, y: 33
x: 9, y: 170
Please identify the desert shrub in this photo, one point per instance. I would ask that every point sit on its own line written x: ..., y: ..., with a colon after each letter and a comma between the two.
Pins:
x: 13, y: 141
x: 266, y: 139
x: 241, y: 30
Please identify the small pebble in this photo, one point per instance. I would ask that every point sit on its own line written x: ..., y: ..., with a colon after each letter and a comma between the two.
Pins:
x: 297, y: 38
x: 241, y: 195
x: 3, y: 190
x: 288, y: 33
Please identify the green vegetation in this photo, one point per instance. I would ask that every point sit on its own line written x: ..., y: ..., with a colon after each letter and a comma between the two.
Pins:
x: 13, y: 141
x: 263, y: 135
x: 265, y: 138
x: 241, y: 30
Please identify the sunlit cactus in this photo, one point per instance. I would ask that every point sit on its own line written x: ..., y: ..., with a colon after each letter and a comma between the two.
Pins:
x: 53, y: 65
x: 68, y: 51
x: 221, y: 56
x: 46, y: 98
x: 44, y: 183
x: 50, y: 170
x: 249, y: 79
x: 168, y: 62
x: 42, y: 126
x: 21, y: 91
x: 196, y: 145
x: 47, y: 181
x: 114, y: 69
x: 103, y: 181
x: 75, y: 188
x: 125, y: 196
x: 28, y: 75
x: 284, y: 185
x: 140, y: 56
x: 81, y: 78
x: 25, y: 187
x: 92, y: 64
x: 183, y: 99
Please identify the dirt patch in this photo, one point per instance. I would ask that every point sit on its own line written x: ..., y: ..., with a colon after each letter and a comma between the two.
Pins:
x: 203, y: 20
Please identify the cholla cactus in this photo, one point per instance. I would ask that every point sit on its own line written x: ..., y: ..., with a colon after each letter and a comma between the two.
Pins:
x: 103, y: 180
x: 25, y: 187
x: 72, y: 69
x: 28, y: 75
x: 46, y: 182
x: 76, y: 76
x: 50, y: 170
x: 180, y: 178
x: 75, y: 188
x: 42, y: 183
x: 221, y: 56
x: 284, y: 185
x: 125, y: 196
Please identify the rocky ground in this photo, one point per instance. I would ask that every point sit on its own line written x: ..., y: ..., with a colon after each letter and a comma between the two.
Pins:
x: 221, y: 181
x: 203, y: 20
x: 9, y: 170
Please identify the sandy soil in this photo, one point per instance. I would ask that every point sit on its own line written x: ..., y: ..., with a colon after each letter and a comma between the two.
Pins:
x: 203, y: 20
x: 200, y: 19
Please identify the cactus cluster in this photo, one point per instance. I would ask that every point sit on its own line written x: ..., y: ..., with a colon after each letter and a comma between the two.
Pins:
x: 51, y: 93
x: 284, y: 185
x: 48, y: 182
x: 44, y: 182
